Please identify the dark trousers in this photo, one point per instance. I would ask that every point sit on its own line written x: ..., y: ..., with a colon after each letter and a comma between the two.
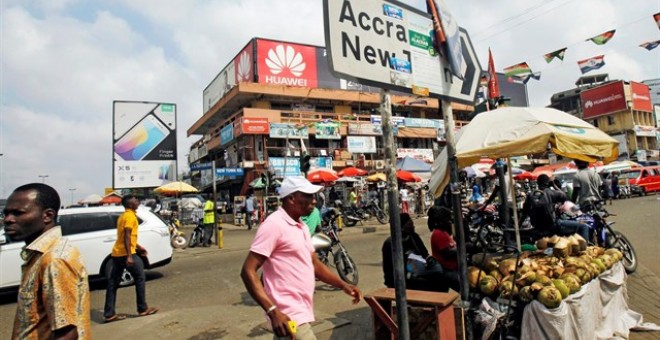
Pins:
x: 208, y: 232
x: 572, y: 227
x: 137, y: 270
x: 248, y: 217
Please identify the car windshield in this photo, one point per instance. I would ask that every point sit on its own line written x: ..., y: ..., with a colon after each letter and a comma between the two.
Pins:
x: 631, y: 174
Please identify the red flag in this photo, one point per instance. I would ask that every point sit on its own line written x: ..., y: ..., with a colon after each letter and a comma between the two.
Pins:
x: 656, y: 16
x: 493, y: 86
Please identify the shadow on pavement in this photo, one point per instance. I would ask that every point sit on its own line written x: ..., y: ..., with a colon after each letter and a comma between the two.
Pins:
x: 246, y: 300
x: 359, y: 328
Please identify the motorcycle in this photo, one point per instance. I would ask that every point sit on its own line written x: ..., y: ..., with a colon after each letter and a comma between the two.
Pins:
x: 177, y: 237
x: 197, y: 236
x: 327, y: 244
x: 352, y: 215
x: 373, y: 209
x: 603, y: 234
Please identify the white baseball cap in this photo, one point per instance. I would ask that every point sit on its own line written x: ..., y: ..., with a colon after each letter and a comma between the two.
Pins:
x: 292, y: 184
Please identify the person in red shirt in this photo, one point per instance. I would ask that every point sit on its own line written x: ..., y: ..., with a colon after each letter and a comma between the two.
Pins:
x: 443, y: 246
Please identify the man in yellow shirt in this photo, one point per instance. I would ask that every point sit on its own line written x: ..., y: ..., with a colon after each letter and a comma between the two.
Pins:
x: 53, y: 299
x: 209, y: 220
x: 126, y: 255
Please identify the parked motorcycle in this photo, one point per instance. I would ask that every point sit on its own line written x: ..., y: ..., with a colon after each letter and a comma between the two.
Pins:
x: 177, y: 237
x: 327, y: 244
x: 351, y: 215
x: 197, y: 236
x: 373, y: 209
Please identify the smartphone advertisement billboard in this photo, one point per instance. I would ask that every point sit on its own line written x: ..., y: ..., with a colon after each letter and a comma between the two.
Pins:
x: 602, y: 100
x: 143, y: 144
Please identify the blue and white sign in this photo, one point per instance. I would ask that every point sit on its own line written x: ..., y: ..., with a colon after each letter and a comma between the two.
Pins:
x: 227, y: 134
x: 396, y: 121
x: 200, y: 166
x: 228, y: 172
x: 423, y: 123
x: 361, y: 144
x: 292, y: 166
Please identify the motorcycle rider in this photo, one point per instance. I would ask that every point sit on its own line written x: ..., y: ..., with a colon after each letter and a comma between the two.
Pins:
x: 540, y: 207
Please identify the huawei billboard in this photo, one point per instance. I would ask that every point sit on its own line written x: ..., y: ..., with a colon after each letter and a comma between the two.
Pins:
x: 641, y: 97
x: 603, y: 100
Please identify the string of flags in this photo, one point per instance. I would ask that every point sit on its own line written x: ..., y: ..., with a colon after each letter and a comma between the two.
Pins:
x: 522, y: 72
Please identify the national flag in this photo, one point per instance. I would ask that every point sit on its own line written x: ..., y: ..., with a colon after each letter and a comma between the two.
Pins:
x: 517, y: 70
x: 602, y: 39
x: 559, y: 54
x: 656, y: 16
x: 591, y: 64
x: 535, y: 76
x: 650, y: 45
x: 493, y: 86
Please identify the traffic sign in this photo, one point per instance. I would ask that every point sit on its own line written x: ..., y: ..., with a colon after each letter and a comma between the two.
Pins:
x: 228, y: 172
x: 389, y: 44
x: 200, y: 166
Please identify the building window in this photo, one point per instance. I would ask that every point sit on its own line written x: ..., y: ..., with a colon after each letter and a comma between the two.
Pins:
x: 595, y: 122
x: 610, y: 119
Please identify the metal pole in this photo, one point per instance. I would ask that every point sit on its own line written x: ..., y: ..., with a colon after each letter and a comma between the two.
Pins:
x: 395, y: 222
x: 72, y: 190
x: 455, y: 188
x: 215, y: 209
x: 512, y: 189
x: 504, y: 209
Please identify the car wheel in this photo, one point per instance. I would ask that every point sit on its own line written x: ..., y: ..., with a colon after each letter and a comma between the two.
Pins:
x: 126, y: 277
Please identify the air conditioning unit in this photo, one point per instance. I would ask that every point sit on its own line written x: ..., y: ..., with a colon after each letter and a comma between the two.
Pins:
x: 380, y: 164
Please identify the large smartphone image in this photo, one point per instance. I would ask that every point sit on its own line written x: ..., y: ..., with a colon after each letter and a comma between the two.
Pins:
x: 141, y: 138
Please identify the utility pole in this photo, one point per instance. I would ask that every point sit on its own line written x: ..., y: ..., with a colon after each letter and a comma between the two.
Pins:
x: 395, y: 221
x: 72, y: 190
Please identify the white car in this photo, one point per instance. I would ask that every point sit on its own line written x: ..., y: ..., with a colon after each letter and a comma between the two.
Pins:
x: 93, y: 231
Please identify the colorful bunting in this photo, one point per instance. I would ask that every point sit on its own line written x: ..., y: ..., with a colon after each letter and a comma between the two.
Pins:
x: 602, y: 39
x: 559, y: 54
x: 650, y: 45
x: 535, y: 76
x: 656, y: 16
x: 493, y: 86
x: 591, y: 64
x: 517, y: 70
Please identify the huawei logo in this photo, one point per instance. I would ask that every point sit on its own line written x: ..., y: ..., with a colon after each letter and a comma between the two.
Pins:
x: 283, y: 58
x: 588, y: 104
x: 244, y: 67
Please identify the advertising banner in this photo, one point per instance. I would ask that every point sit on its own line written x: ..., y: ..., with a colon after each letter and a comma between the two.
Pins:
x: 602, y: 100
x: 227, y: 134
x: 220, y: 85
x: 396, y: 121
x: 243, y: 65
x: 255, y: 126
x: 329, y: 130
x: 422, y: 122
x: 292, y: 166
x: 281, y: 63
x: 365, y: 129
x: 641, y: 97
x: 644, y: 130
x: 144, y: 144
x: 283, y: 130
x: 320, y: 163
x: 425, y: 155
x: 361, y: 144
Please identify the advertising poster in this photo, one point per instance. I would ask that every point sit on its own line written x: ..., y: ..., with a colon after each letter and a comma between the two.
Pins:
x: 144, y: 144
x: 281, y: 63
x: 641, y: 97
x: 283, y: 130
x: 292, y: 167
x: 329, y: 130
x: 254, y: 126
x: 361, y: 144
x: 227, y: 134
x: 365, y: 129
x: 425, y: 155
x: 602, y: 100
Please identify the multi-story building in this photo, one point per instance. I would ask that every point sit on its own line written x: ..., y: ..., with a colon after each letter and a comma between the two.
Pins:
x: 274, y: 98
x: 621, y: 109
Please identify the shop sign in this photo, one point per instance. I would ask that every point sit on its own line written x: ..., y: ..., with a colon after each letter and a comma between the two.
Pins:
x: 603, y: 100
x: 227, y: 134
x: 365, y: 129
x: 277, y: 165
x: 283, y: 130
x: 644, y: 131
x: 361, y: 144
x: 641, y: 97
x: 281, y: 63
x: 425, y: 155
x: 229, y: 172
x: 396, y: 121
x: 255, y: 126
x: 328, y: 130
x: 422, y: 123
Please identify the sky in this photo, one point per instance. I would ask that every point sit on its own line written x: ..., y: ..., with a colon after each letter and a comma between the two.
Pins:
x: 63, y: 62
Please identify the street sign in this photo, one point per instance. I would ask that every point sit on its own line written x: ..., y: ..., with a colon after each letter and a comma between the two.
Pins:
x: 388, y: 44
x: 228, y: 172
x: 200, y: 166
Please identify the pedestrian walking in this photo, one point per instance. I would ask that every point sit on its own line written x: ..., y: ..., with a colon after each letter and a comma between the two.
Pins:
x: 586, y: 185
x: 249, y: 209
x: 208, y: 221
x: 403, y: 196
x: 53, y: 298
x: 282, y: 248
x: 126, y: 255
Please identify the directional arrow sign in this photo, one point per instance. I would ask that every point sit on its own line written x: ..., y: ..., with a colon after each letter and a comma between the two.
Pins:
x: 389, y: 44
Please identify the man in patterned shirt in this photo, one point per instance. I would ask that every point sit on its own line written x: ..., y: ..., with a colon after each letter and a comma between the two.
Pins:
x: 53, y: 299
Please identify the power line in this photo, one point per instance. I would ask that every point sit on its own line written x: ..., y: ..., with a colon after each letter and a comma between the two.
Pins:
x: 524, y: 12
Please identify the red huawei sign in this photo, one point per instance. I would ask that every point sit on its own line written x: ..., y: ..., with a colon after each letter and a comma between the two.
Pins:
x: 641, y: 97
x: 602, y: 100
x: 286, y: 64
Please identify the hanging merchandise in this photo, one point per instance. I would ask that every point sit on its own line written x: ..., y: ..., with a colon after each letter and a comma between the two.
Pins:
x: 602, y: 38
x: 591, y: 64
x: 559, y: 54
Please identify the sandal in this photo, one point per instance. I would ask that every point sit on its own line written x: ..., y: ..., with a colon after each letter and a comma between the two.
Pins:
x: 149, y: 311
x: 115, y: 317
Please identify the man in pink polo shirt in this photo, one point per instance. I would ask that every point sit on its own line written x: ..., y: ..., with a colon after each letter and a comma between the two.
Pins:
x: 283, y: 248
